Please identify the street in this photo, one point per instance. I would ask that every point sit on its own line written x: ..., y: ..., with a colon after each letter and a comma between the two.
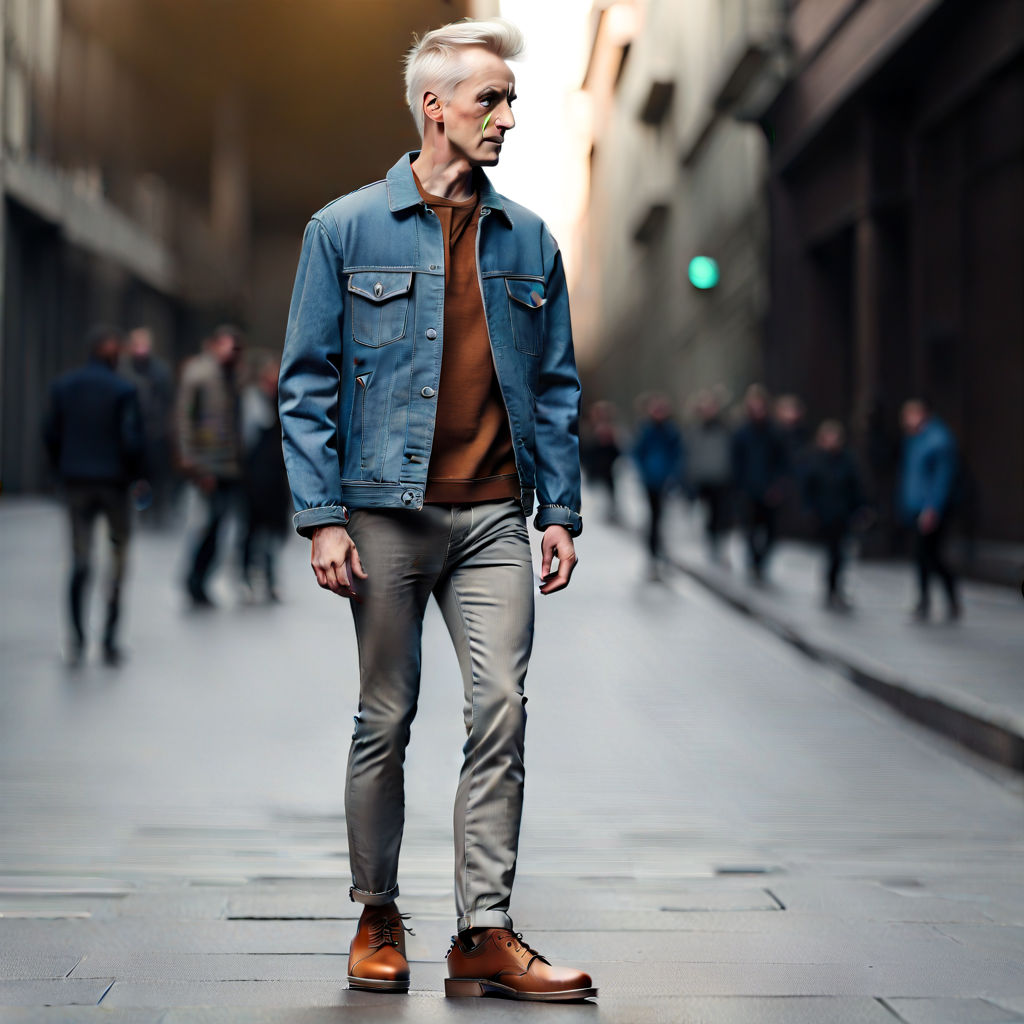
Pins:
x: 716, y: 827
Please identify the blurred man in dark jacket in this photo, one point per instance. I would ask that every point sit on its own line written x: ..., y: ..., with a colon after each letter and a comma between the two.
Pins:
x: 93, y: 434
x: 926, y: 491
x: 708, y: 448
x: 152, y: 377
x: 759, y: 471
x: 833, y: 495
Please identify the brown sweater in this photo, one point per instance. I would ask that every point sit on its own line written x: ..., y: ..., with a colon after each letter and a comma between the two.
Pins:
x: 471, y: 458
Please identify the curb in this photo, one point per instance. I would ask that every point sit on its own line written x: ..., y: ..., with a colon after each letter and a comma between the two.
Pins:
x: 980, y: 728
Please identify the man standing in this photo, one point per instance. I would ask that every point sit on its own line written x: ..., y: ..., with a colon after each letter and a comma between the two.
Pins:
x: 152, y: 377
x: 759, y: 469
x: 926, y: 487
x: 439, y: 461
x: 210, y: 445
x: 93, y: 435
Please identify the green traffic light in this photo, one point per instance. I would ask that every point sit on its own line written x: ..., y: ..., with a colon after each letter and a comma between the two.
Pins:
x: 703, y: 272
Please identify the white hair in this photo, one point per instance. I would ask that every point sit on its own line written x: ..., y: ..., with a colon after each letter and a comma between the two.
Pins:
x: 433, y: 64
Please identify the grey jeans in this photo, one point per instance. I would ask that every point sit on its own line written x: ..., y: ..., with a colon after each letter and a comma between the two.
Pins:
x: 475, y: 560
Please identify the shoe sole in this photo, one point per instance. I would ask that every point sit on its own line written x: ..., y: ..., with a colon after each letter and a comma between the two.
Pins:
x: 472, y: 988
x: 374, y: 985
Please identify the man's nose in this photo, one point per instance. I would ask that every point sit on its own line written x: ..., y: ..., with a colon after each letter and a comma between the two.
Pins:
x: 505, y: 119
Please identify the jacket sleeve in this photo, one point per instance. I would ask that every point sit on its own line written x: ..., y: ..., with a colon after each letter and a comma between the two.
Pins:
x: 310, y: 384
x: 133, y: 439
x: 939, y: 484
x: 557, y: 408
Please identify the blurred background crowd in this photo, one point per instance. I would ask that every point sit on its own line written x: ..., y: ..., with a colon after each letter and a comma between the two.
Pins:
x: 792, y: 228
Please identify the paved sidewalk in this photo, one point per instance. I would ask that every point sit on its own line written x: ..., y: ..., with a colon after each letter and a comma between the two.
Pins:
x: 718, y: 828
x: 964, y: 679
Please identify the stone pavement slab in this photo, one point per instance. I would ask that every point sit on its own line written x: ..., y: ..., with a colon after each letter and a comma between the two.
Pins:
x: 750, y: 837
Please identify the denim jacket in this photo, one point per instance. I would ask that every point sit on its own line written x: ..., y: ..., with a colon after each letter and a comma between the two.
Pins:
x: 362, y: 356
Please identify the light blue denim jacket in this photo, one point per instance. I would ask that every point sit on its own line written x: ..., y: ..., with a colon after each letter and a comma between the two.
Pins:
x: 362, y: 356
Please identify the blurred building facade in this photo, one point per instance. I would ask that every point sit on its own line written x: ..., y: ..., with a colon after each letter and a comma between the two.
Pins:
x: 159, y: 160
x: 856, y: 169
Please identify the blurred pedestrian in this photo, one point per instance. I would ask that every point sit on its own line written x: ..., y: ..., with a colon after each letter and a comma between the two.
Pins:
x: 93, y: 434
x: 210, y: 445
x: 759, y: 470
x: 600, y: 451
x: 790, y: 416
x: 926, y: 488
x: 439, y: 461
x: 660, y: 458
x: 709, y: 468
x: 833, y: 494
x: 155, y: 384
x: 265, y: 483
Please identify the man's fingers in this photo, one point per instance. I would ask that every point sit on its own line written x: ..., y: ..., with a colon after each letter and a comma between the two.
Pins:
x: 356, y: 565
x: 555, y: 581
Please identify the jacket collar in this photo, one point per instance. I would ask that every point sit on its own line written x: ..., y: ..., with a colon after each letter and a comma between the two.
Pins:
x: 403, y: 193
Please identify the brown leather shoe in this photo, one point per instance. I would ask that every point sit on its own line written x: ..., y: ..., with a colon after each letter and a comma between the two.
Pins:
x: 376, y: 958
x: 502, y: 964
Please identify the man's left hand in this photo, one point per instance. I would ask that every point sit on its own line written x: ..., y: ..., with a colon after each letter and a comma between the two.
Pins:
x: 556, y: 544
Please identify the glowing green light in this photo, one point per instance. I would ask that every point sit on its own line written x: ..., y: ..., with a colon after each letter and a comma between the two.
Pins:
x: 703, y: 272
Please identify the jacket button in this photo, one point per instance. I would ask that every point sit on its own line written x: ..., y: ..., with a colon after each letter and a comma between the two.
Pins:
x: 427, y: 392
x: 408, y: 497
x: 431, y: 333
x: 433, y: 266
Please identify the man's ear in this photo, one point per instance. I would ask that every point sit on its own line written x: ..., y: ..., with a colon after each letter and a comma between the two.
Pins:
x: 432, y: 107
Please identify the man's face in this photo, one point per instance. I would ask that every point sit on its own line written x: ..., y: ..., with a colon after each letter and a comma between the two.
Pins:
x: 913, y: 417
x: 479, y: 111
x: 225, y: 349
x: 140, y: 343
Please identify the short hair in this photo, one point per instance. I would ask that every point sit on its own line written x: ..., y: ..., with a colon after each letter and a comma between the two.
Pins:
x: 433, y: 65
x: 98, y: 334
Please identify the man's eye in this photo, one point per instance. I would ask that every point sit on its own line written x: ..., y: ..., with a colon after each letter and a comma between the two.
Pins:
x: 486, y: 101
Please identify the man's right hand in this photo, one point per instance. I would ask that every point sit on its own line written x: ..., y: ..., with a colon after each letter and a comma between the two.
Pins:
x: 335, y: 561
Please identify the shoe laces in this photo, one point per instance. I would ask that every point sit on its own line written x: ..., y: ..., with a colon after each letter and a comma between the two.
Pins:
x: 387, y: 931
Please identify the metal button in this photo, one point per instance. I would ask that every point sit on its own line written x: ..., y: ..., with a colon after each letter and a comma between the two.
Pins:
x: 427, y: 392
x: 433, y: 266
x: 431, y: 333
x: 378, y: 289
x: 408, y: 497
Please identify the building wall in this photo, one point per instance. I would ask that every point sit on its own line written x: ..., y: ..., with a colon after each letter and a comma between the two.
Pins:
x: 897, y: 198
x: 698, y: 175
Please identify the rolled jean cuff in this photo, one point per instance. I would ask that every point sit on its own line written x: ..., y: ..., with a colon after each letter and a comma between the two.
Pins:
x: 372, y: 899
x: 485, y: 919
x: 307, y: 520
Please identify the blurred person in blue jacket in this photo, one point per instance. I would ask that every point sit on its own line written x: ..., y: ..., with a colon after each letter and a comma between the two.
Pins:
x: 833, y: 495
x: 925, y: 498
x: 94, y: 438
x: 660, y: 456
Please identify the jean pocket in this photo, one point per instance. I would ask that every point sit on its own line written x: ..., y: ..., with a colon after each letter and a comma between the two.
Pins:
x: 526, y: 312
x: 380, y: 306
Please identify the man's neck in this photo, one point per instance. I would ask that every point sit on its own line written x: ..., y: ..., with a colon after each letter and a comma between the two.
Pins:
x: 449, y: 177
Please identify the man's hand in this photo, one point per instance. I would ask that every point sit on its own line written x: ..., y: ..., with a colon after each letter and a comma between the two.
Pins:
x: 556, y: 543
x: 335, y: 561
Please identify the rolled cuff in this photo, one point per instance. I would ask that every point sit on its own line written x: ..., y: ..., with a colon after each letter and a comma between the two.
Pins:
x: 372, y: 899
x: 558, y: 515
x: 485, y: 919
x: 308, y: 519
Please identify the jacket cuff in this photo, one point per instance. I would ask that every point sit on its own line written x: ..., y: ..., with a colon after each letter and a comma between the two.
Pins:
x: 306, y: 521
x: 558, y: 515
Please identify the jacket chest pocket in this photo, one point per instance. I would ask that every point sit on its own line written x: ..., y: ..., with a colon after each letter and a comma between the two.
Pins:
x: 526, y: 311
x: 380, y: 306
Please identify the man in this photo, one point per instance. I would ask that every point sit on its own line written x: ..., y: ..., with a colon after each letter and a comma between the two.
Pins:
x: 93, y: 435
x: 709, y: 465
x: 660, y: 459
x: 152, y: 377
x: 926, y: 489
x: 210, y: 445
x: 759, y: 469
x: 439, y: 460
x: 833, y: 495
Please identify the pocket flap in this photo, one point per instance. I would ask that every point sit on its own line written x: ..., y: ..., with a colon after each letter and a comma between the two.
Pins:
x: 379, y: 286
x: 526, y: 292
